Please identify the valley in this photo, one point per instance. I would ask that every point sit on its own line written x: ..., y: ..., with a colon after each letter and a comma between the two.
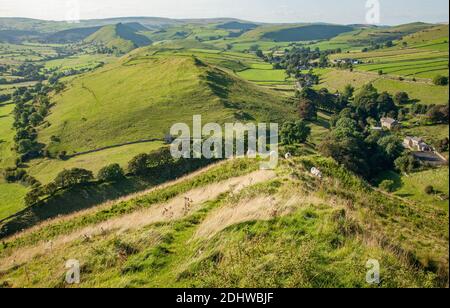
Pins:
x: 85, y: 117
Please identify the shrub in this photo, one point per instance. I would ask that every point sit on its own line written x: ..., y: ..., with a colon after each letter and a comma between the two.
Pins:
x: 406, y: 163
x: 50, y: 189
x: 401, y: 98
x: 429, y: 190
x: 33, y: 196
x: 12, y: 175
x: 297, y: 132
x: 387, y: 185
x: 69, y: 178
x: 111, y: 173
x: 62, y: 155
x: 440, y: 80
x: 138, y: 165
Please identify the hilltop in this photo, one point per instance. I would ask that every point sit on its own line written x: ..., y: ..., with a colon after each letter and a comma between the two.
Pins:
x: 121, y: 37
x: 143, y: 95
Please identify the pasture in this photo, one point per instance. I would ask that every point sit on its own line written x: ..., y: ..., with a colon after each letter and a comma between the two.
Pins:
x: 45, y: 170
x: 412, y: 186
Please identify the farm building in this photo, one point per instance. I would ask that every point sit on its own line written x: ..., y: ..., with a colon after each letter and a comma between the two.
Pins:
x: 416, y: 144
x: 389, y: 123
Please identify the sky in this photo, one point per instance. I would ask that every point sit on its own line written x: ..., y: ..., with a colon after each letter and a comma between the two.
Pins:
x: 281, y: 11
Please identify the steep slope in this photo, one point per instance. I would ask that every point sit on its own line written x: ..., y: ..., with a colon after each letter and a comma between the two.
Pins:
x: 71, y: 35
x: 119, y: 37
x: 142, y: 96
x: 244, y: 228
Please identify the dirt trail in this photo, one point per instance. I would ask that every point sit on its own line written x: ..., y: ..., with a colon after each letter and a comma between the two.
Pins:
x: 165, y: 212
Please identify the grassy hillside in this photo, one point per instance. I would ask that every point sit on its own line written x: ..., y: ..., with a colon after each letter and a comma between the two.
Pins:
x: 142, y: 96
x: 301, y: 32
x: 120, y: 37
x: 306, y: 33
x: 423, y: 54
x: 367, y: 35
x: 291, y: 229
x: 71, y: 35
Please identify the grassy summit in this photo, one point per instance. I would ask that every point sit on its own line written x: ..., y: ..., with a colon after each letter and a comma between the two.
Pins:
x: 121, y: 37
x: 141, y: 97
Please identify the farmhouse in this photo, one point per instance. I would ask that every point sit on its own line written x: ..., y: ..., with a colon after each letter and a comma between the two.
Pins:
x: 416, y: 144
x: 347, y: 61
x: 389, y: 123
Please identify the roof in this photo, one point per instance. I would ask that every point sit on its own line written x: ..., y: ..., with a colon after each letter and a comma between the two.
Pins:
x: 388, y: 120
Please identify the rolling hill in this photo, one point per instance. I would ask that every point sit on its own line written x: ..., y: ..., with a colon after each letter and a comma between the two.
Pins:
x: 143, y: 95
x: 71, y: 35
x: 367, y: 35
x: 120, y: 37
x: 299, y: 32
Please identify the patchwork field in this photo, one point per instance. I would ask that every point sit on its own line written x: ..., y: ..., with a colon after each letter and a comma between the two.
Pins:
x: 422, y: 91
x: 412, y: 186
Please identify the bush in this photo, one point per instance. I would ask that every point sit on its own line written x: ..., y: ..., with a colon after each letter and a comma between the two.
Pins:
x: 33, y: 196
x: 138, y: 165
x: 406, y: 163
x: 69, y: 178
x: 62, y: 155
x: 401, y: 98
x: 429, y: 190
x: 12, y: 175
x: 111, y: 173
x: 387, y: 185
x: 293, y: 133
x: 440, y: 80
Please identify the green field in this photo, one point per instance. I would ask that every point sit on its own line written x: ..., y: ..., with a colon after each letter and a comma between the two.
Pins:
x: 424, y: 92
x: 11, y: 199
x: 45, y: 170
x: 86, y: 61
x: 264, y: 75
x: 7, y: 156
x: 420, y: 55
x: 412, y: 186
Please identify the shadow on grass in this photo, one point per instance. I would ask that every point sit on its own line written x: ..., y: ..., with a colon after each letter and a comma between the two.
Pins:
x: 87, y: 196
x: 389, y: 175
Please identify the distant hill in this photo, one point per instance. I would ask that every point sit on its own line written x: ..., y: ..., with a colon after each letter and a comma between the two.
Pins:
x: 234, y: 25
x: 79, y: 34
x: 300, y: 32
x: 17, y: 36
x: 120, y: 37
x: 142, y: 96
x: 45, y: 26
x: 429, y: 35
x: 367, y: 35
x: 71, y: 35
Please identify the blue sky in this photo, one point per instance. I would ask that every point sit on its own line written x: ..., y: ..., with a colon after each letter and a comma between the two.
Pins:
x: 333, y: 11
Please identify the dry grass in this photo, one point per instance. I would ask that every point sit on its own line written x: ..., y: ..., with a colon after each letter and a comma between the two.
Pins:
x: 173, y: 210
